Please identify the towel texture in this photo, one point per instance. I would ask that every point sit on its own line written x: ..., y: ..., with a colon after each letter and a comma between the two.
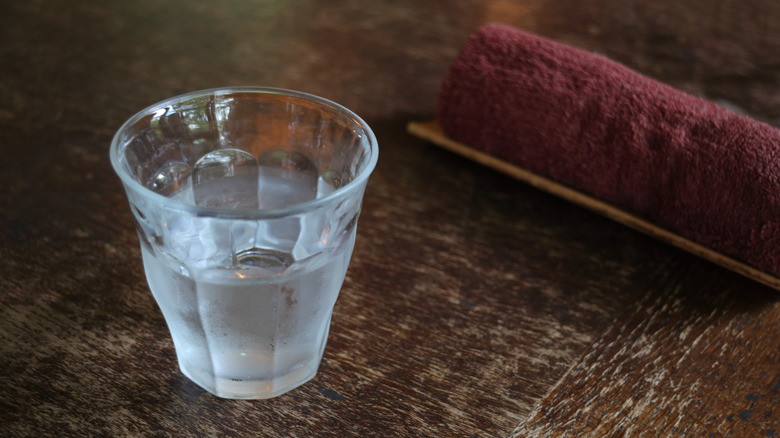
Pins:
x: 587, y: 122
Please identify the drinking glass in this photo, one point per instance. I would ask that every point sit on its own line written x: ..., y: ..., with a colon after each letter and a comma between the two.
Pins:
x: 246, y: 203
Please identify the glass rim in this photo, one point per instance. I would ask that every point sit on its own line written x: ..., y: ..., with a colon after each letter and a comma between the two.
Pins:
x: 130, y: 182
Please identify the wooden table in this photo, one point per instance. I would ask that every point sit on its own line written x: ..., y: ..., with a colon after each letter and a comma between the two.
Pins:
x: 475, y: 306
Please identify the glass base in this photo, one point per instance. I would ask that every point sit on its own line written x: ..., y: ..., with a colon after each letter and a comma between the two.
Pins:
x: 252, y: 389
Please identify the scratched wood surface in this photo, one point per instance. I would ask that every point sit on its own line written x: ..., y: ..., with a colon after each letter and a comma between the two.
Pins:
x: 691, y: 358
x: 474, y: 306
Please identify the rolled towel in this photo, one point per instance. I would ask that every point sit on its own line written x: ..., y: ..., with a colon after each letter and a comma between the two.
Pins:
x: 596, y: 126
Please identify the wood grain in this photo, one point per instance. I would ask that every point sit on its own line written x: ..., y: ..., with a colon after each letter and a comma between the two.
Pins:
x: 696, y: 363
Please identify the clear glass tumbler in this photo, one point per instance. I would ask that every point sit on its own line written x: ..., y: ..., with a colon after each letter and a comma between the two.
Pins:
x: 246, y: 203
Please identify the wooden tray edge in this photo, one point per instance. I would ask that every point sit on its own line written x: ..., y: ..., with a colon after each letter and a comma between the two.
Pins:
x: 430, y: 131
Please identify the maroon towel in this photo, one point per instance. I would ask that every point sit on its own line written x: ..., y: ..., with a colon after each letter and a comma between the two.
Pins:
x: 592, y: 124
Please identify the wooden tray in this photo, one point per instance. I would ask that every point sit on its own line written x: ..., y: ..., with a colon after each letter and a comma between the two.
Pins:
x: 431, y: 131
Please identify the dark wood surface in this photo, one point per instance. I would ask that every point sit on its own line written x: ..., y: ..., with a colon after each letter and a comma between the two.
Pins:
x: 475, y: 306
